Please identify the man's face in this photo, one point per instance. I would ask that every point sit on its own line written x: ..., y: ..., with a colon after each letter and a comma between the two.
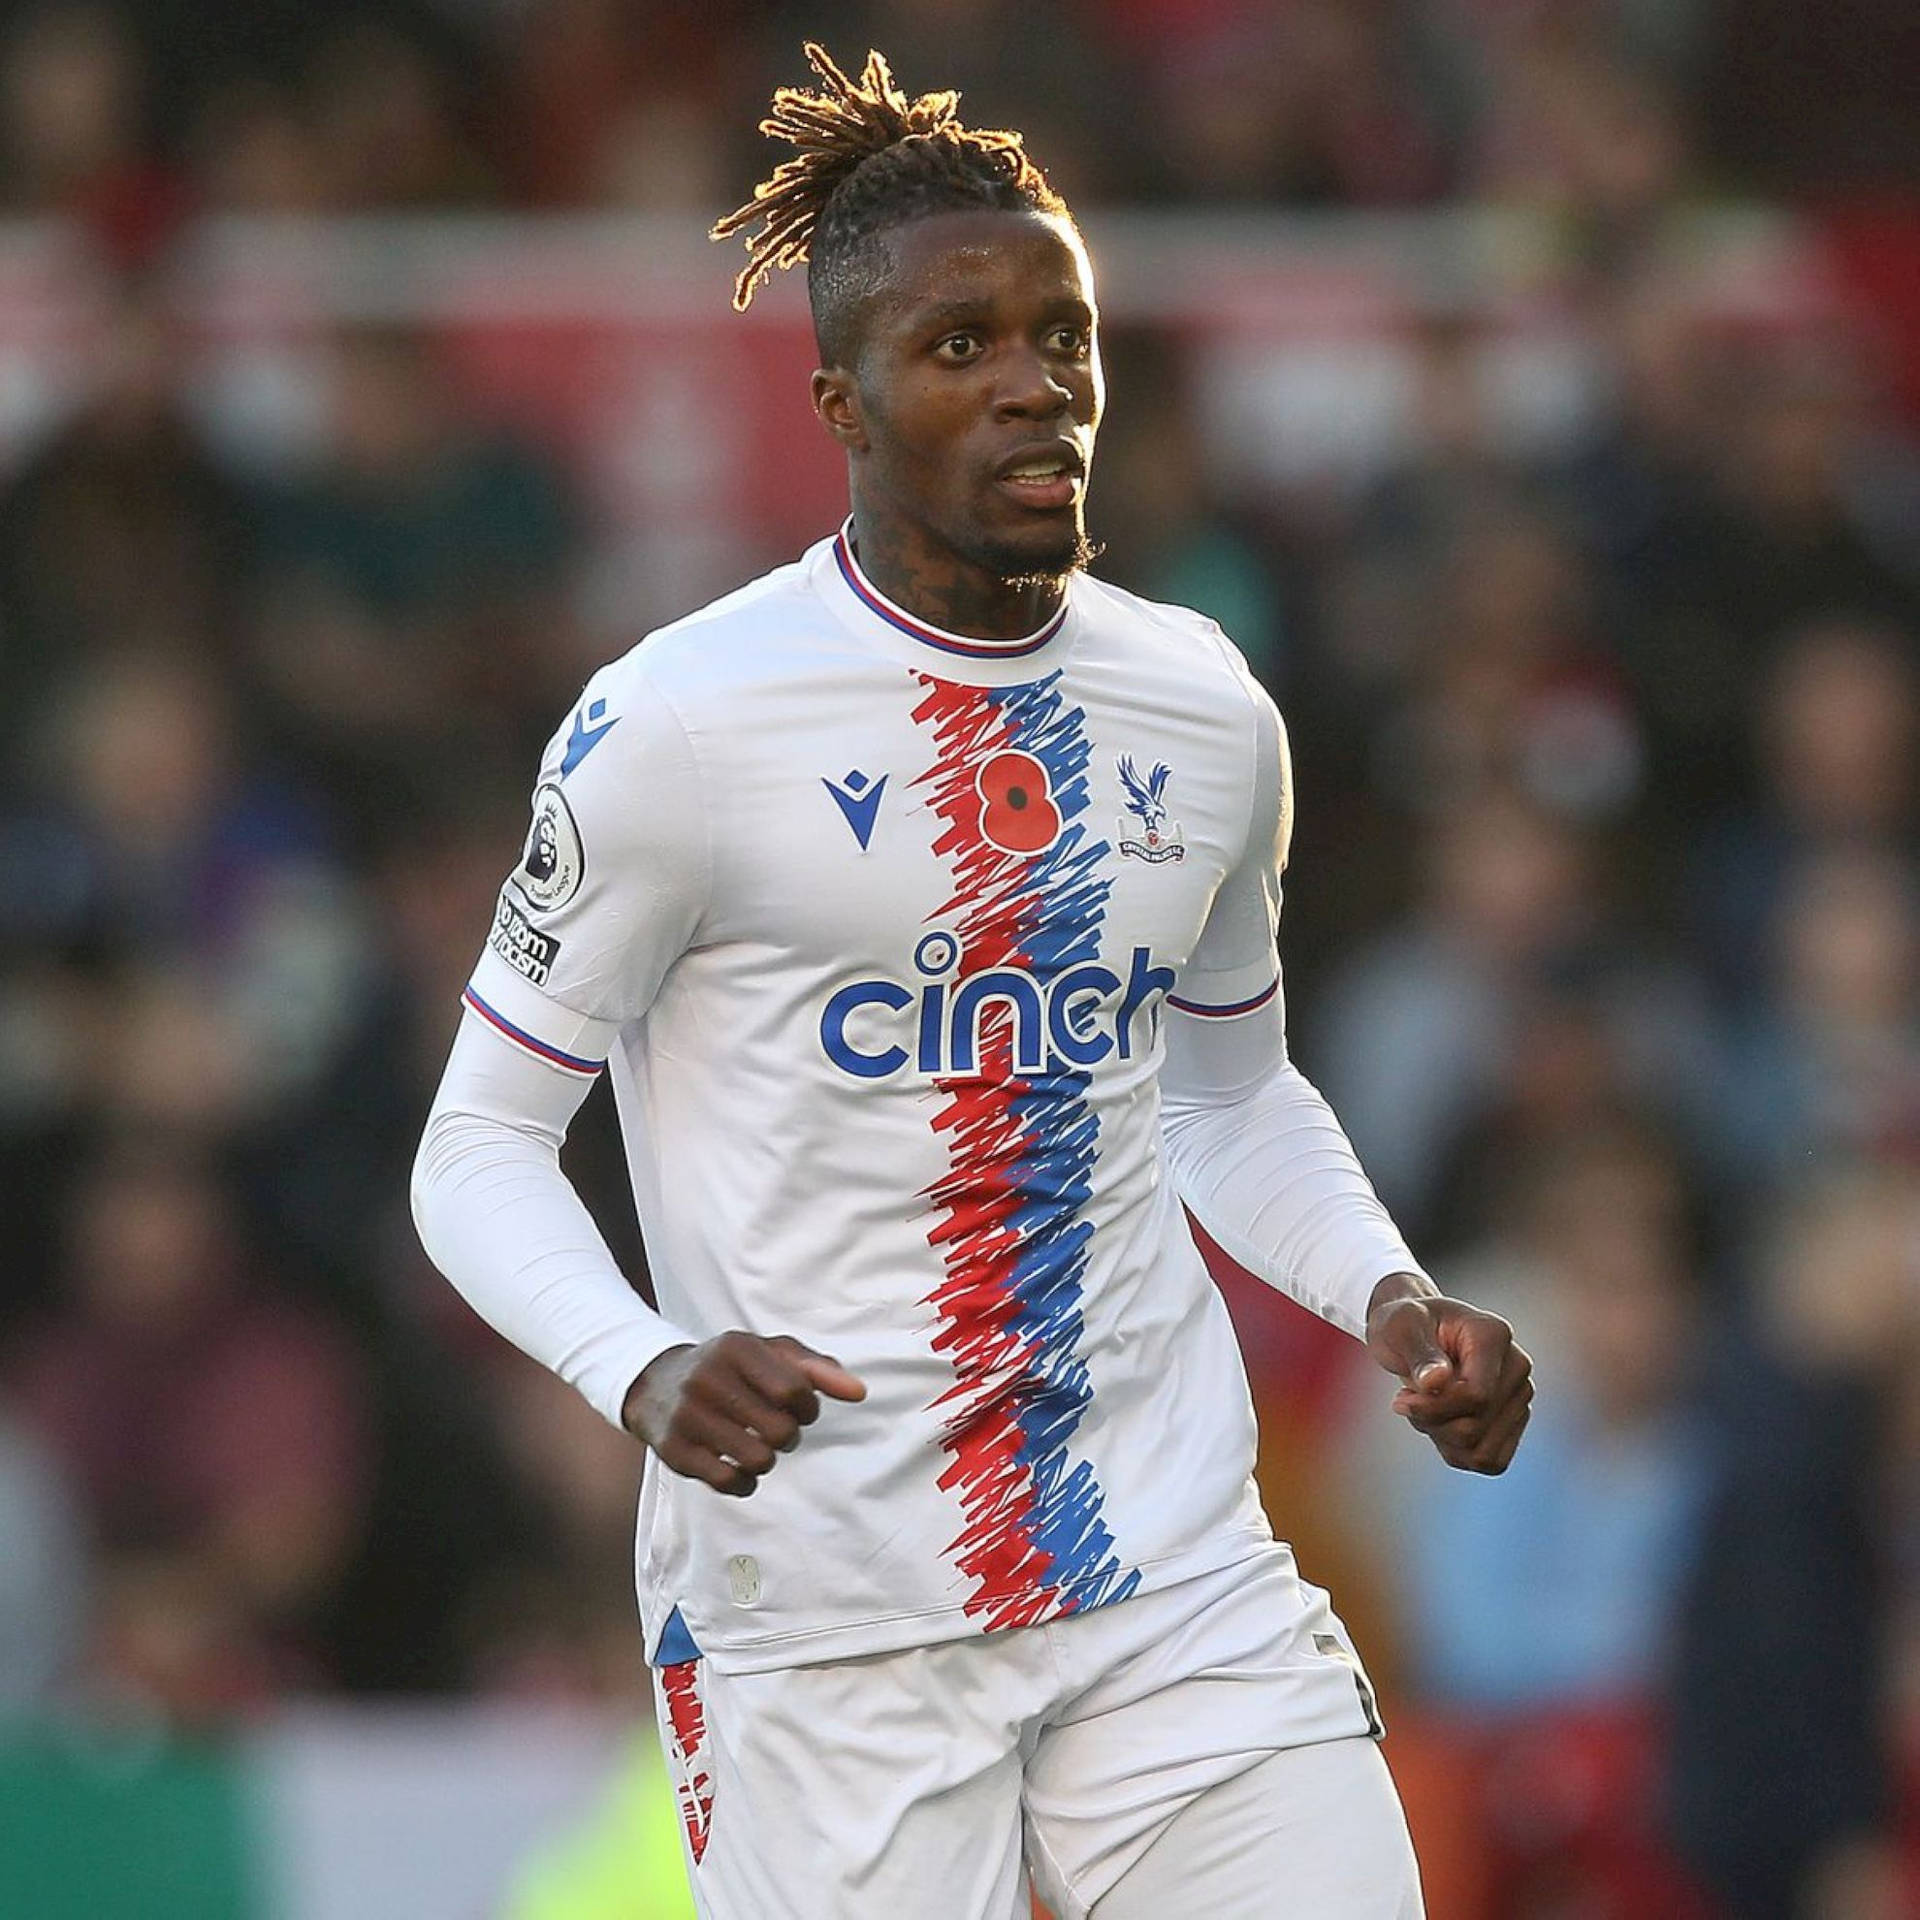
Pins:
x: 979, y: 391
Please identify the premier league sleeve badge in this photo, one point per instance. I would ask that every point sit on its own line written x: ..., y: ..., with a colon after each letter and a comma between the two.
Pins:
x: 552, y: 865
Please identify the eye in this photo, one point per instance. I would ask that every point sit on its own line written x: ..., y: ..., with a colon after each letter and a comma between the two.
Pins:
x: 957, y: 348
x: 1070, y: 340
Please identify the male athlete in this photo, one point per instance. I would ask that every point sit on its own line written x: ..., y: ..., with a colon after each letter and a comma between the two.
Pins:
x: 920, y: 901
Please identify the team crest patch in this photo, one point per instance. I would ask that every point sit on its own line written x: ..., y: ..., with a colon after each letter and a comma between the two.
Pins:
x: 552, y: 864
x: 1149, y: 835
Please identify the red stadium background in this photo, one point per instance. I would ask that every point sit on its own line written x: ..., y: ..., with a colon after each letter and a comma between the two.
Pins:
x: 1531, y: 388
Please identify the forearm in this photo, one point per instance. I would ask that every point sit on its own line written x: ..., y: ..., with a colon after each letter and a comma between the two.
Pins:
x: 1259, y: 1158
x: 501, y: 1220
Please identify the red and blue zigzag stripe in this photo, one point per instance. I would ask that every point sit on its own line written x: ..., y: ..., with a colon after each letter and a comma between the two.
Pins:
x: 1010, y: 1225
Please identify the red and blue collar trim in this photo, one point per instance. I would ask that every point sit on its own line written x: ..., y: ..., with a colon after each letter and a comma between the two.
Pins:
x: 877, y: 602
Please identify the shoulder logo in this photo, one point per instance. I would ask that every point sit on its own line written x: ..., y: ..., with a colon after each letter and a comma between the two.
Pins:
x: 858, y: 797
x: 552, y: 864
x: 584, y: 738
x: 1149, y: 836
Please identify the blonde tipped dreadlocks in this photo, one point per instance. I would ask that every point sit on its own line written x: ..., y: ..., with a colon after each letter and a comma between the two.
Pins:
x: 868, y: 159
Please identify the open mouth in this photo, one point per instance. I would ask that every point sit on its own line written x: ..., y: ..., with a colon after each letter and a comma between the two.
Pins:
x: 1050, y: 478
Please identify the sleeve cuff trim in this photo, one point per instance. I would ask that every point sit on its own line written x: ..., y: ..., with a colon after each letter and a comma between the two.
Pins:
x: 538, y: 1048
x: 1238, y: 1007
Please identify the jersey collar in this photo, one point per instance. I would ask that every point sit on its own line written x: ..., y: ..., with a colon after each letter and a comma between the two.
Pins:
x: 957, y: 645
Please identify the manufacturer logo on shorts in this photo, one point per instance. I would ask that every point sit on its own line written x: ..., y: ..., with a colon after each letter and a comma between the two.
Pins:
x: 528, y: 951
x: 552, y: 864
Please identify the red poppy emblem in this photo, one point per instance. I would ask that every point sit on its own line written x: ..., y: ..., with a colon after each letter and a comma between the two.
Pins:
x: 1017, y: 809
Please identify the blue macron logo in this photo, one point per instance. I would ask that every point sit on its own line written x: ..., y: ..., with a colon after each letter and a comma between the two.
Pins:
x: 859, y: 799
x: 583, y: 739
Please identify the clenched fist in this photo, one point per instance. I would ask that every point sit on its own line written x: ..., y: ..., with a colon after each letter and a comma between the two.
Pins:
x: 725, y: 1410
x: 1464, y: 1383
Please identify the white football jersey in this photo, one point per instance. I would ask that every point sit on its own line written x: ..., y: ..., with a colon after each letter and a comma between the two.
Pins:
x: 875, y: 928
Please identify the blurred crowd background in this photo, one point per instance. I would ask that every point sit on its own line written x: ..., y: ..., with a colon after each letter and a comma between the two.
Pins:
x: 1529, y: 386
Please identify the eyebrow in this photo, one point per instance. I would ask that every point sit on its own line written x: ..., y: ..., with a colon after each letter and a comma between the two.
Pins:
x: 954, y: 314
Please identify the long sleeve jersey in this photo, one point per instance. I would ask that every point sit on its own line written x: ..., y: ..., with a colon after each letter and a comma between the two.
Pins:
x: 933, y: 975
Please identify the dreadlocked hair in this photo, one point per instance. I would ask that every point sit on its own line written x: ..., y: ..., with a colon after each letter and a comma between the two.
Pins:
x: 868, y: 159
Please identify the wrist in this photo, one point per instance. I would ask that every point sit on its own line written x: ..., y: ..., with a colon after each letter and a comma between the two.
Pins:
x: 637, y: 1404
x: 1397, y: 1287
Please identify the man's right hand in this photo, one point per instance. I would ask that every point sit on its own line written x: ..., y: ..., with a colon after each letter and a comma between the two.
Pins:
x: 725, y: 1410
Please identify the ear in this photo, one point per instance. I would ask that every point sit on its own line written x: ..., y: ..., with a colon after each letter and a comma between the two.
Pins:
x: 836, y: 399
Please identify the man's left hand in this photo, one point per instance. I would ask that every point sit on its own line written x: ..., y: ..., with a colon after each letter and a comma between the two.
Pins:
x: 1465, y: 1384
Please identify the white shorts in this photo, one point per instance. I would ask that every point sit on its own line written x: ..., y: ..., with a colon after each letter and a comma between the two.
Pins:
x: 929, y: 1782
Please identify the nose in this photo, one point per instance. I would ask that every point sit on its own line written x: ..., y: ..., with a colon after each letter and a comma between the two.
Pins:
x: 1033, y: 390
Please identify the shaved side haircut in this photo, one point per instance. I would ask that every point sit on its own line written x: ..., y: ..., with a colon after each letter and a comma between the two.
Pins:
x: 868, y: 159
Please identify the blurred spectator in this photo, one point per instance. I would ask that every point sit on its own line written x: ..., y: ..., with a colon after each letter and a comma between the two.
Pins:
x: 121, y: 529
x: 1167, y: 532
x: 1636, y: 476
x: 560, y: 1624
x: 307, y: 110
x: 1556, y: 1586
x: 1453, y: 473
x: 387, y: 128
x: 1799, y: 105
x: 217, y: 1432
x: 1508, y: 686
x: 72, y: 132
x: 1304, y: 105
x: 323, y: 1164
x: 666, y: 156
x: 428, y: 1602
x: 1837, y: 723
x: 628, y: 103
x: 1638, y: 489
x: 1782, y: 1770
x: 1830, y: 1063
x: 43, y: 1593
x: 1380, y: 572
x: 1460, y: 639
x: 1570, y: 124
x: 1595, y: 1035
x: 255, y: 150
x: 1421, y: 1031
x: 159, y: 841
x: 173, y: 1639
x: 413, y: 585
x: 1767, y: 526
x: 1800, y: 540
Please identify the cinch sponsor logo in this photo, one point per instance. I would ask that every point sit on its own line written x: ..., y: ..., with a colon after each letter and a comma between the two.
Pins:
x: 1073, y: 1020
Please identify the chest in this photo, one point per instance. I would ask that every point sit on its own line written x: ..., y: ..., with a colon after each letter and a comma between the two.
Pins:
x: 918, y: 827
